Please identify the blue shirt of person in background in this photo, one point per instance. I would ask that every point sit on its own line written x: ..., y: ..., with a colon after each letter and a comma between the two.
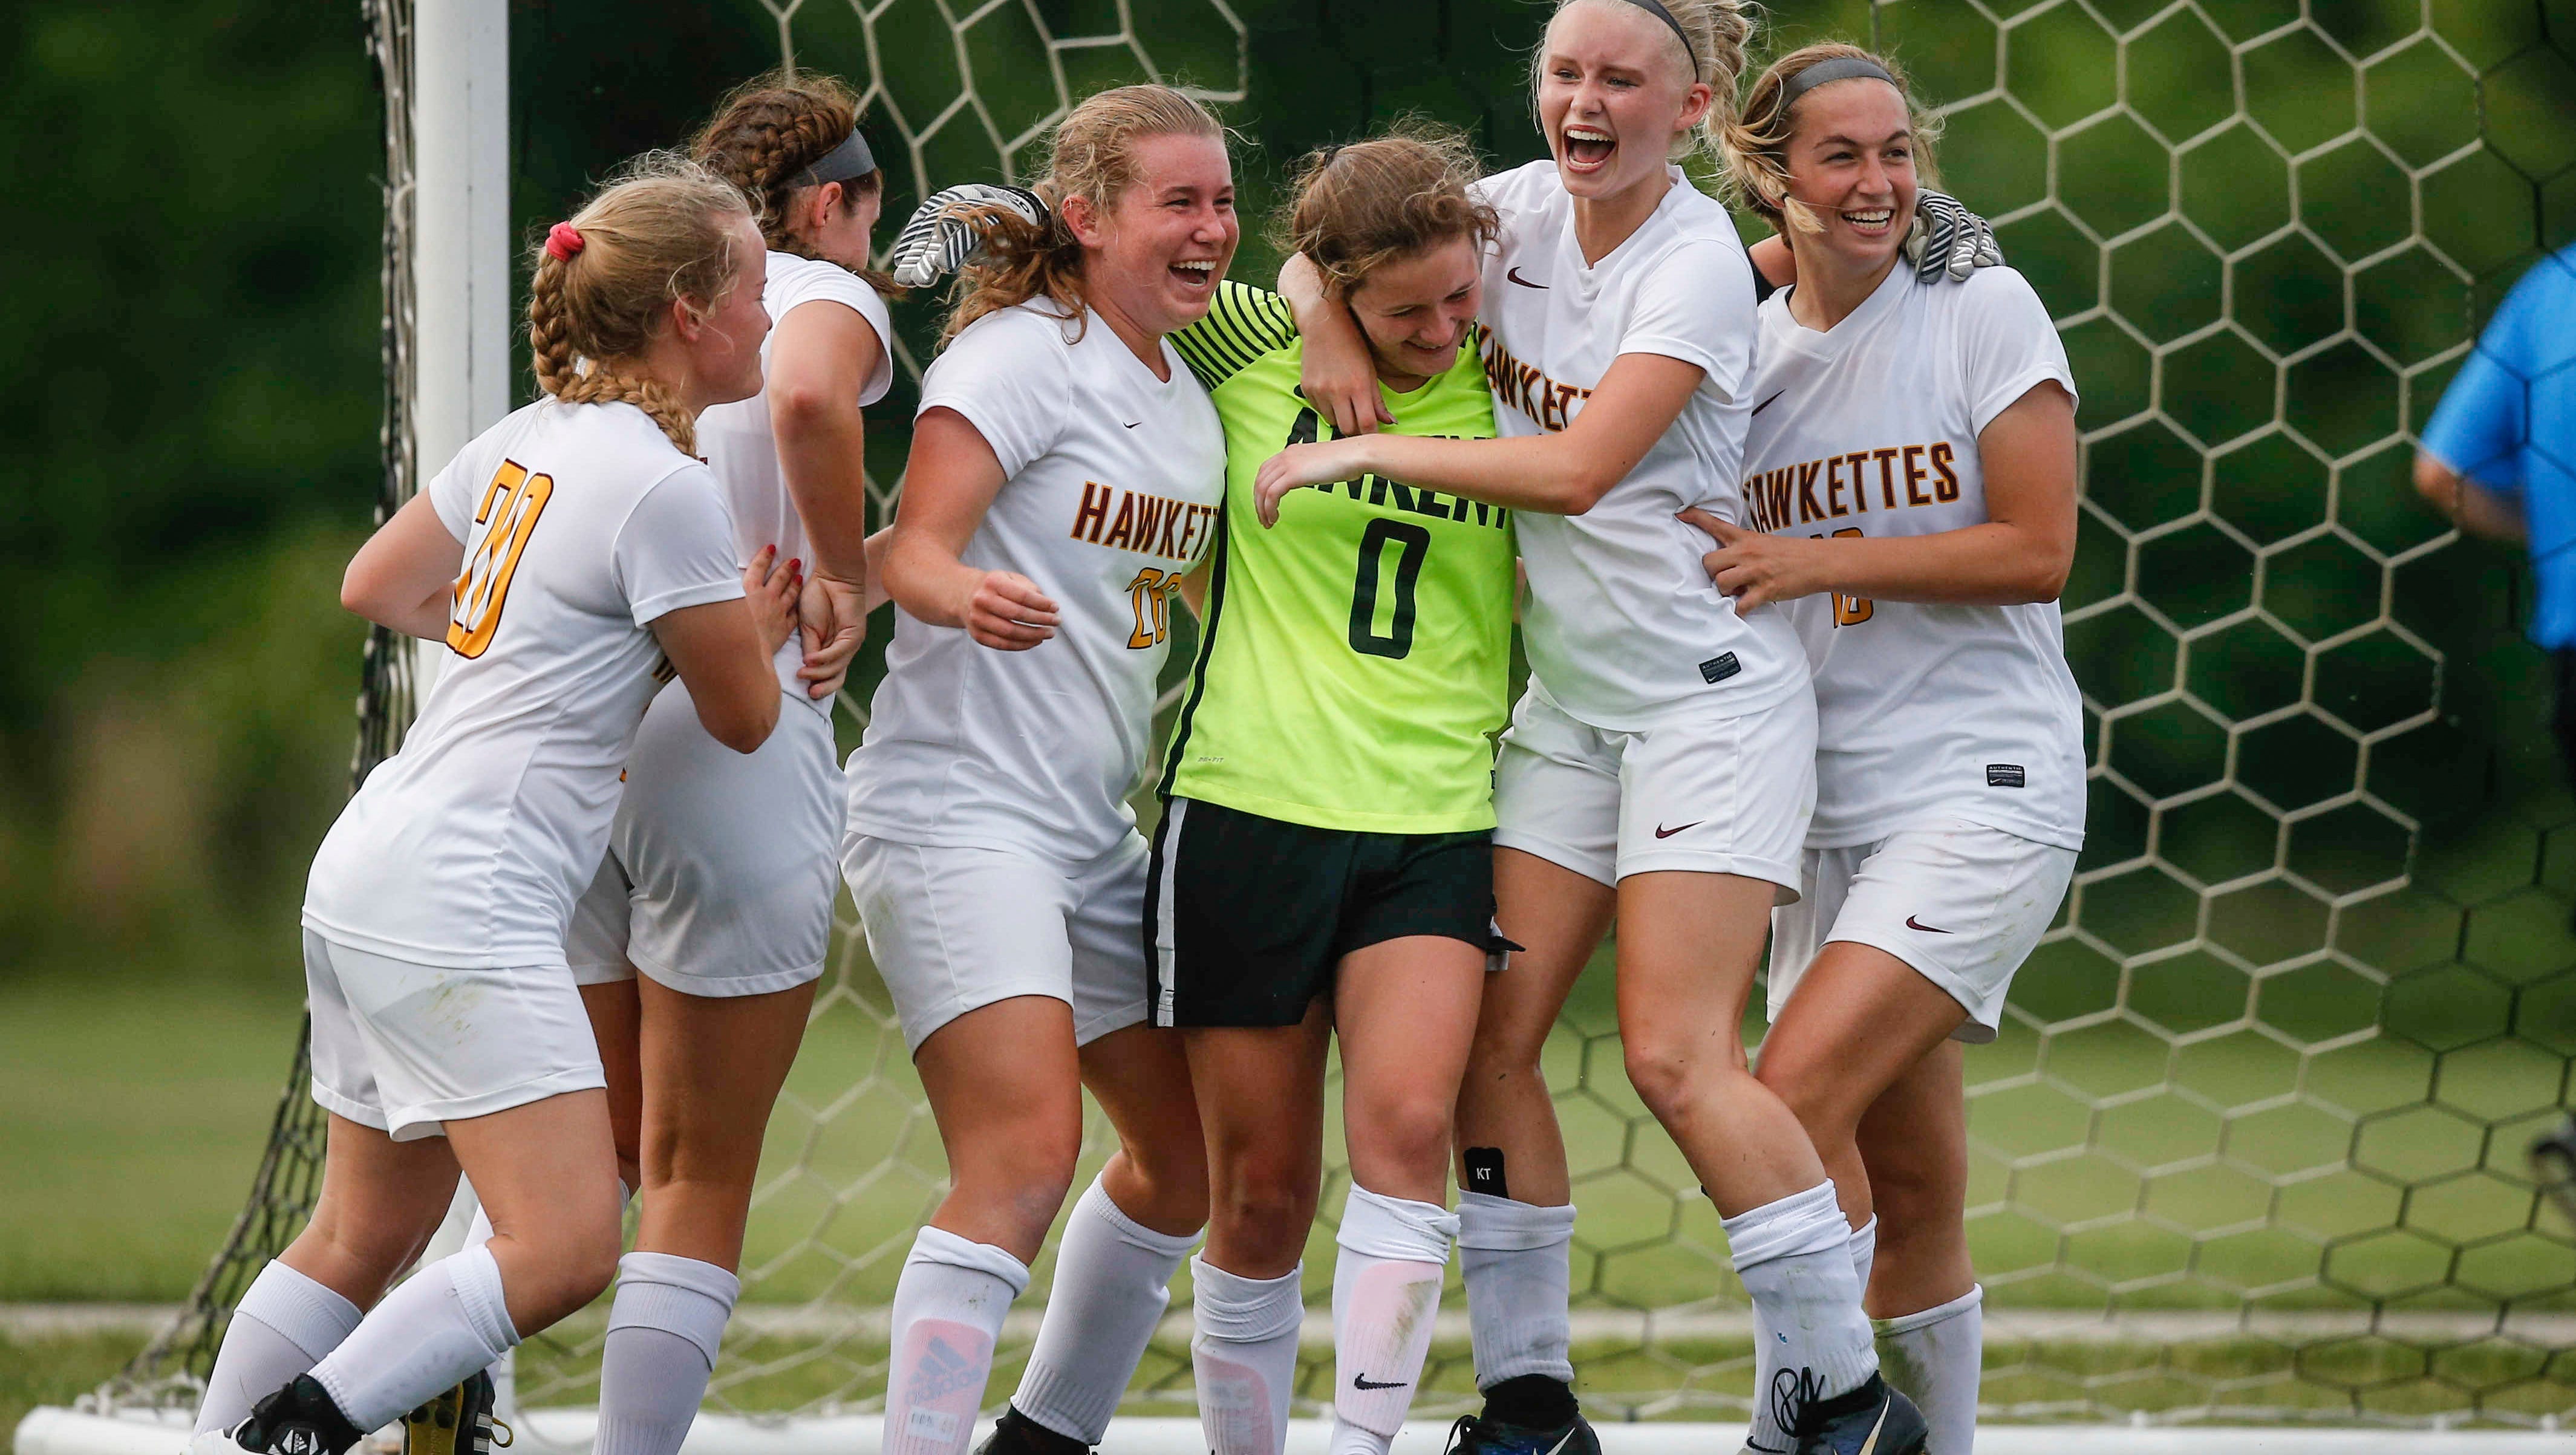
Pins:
x: 2499, y: 456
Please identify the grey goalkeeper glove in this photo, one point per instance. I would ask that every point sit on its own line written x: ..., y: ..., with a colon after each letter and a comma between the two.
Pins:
x: 941, y: 235
x: 1948, y: 240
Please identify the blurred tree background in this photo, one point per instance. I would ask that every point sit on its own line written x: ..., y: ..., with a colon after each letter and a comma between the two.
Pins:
x: 192, y: 337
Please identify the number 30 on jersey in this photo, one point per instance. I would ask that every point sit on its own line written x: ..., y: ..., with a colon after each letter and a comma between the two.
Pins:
x: 508, y: 512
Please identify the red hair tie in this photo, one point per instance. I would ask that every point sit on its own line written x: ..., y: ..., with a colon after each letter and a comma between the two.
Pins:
x: 562, y: 241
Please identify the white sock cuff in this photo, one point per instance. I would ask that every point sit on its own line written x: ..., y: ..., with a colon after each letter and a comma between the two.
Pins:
x: 1939, y: 1314
x: 1501, y: 1225
x: 1801, y: 1223
x: 476, y: 1280
x: 1097, y: 1201
x: 675, y: 1295
x: 303, y: 1311
x: 938, y: 1245
x: 1863, y: 1241
x: 1243, y: 1310
x: 1394, y: 1228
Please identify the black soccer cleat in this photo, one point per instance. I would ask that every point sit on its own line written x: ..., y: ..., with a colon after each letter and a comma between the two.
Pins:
x: 1477, y: 1435
x: 458, y: 1422
x: 297, y: 1420
x: 1016, y: 1434
x: 1869, y: 1420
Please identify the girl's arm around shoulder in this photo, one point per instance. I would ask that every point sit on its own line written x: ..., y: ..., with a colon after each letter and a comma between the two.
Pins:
x: 404, y: 577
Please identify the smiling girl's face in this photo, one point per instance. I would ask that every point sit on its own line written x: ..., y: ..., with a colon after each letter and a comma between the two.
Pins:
x: 1614, y: 90
x: 1851, y: 162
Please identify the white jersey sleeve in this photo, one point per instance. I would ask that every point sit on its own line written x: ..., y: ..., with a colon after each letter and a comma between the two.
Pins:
x: 2007, y: 344
x: 1698, y: 307
x: 1017, y: 397
x: 676, y: 548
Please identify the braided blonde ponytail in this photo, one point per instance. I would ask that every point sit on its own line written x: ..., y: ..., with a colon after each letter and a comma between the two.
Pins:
x: 658, y: 234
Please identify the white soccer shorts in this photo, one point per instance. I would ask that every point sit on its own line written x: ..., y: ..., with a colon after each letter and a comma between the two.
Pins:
x: 1713, y: 795
x: 718, y: 879
x: 405, y: 1048
x: 953, y: 930
x: 1960, y: 902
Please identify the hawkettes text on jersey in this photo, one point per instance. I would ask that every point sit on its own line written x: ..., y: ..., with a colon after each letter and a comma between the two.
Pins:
x: 1152, y: 524
x: 1840, y: 485
x: 1549, y: 404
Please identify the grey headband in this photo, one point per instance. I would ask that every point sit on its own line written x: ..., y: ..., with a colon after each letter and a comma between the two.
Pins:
x: 1840, y: 68
x: 850, y: 159
x: 1657, y: 10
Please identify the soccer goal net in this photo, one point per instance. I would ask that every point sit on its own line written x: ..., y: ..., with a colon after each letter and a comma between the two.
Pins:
x: 2251, y: 1146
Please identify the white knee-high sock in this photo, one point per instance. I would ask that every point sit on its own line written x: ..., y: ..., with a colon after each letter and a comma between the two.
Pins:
x: 1795, y: 1258
x: 1386, y: 1294
x: 442, y: 1324
x: 1518, y: 1261
x: 1937, y: 1357
x: 1243, y: 1356
x: 1113, y: 1278
x: 948, y: 1309
x: 1766, y: 1358
x: 283, y: 1326
x: 663, y: 1334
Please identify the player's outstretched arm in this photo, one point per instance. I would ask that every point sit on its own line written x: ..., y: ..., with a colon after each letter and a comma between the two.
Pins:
x: 2020, y: 554
x: 949, y: 484
x: 1564, y: 473
x: 2469, y: 505
x: 404, y: 577
x: 722, y: 651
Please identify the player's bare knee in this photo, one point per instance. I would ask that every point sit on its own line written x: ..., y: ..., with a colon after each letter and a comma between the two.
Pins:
x: 1263, y: 1206
x: 1410, y: 1131
x: 1666, y: 1077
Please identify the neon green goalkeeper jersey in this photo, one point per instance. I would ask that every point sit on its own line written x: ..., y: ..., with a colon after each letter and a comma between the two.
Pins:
x: 1354, y: 662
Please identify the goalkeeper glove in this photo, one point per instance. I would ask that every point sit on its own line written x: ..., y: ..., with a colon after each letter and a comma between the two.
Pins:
x: 942, y: 236
x: 1948, y: 240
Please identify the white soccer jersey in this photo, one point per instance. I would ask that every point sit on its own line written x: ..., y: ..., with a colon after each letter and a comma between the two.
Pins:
x: 581, y: 525
x: 1623, y: 624
x: 1871, y: 429
x: 1113, y: 481
x: 739, y: 445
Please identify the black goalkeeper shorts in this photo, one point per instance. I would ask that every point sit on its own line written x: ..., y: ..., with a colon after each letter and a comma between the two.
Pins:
x: 1247, y: 917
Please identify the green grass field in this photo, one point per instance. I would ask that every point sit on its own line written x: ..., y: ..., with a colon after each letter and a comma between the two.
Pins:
x: 136, y: 1120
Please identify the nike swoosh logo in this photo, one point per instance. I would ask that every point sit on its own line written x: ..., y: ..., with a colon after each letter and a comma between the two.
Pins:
x: 1912, y: 923
x: 1514, y: 274
x: 1563, y: 1440
x: 1125, y: 425
x: 1767, y: 403
x: 1362, y: 1381
x: 1870, y: 1445
x: 1662, y: 832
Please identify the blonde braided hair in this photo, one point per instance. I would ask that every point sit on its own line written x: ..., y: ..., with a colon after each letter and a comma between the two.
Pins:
x: 660, y: 233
